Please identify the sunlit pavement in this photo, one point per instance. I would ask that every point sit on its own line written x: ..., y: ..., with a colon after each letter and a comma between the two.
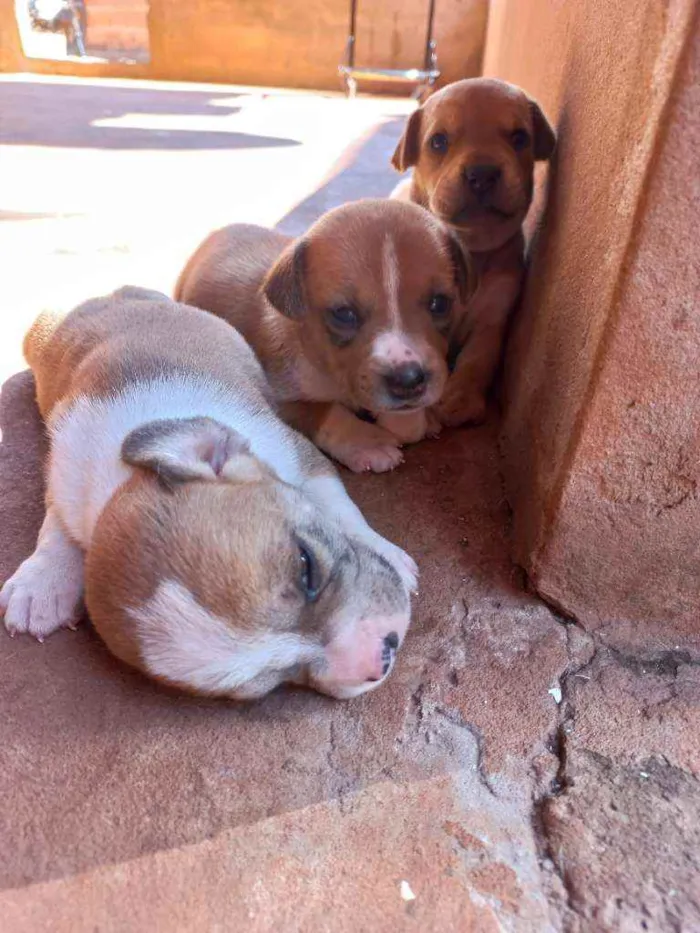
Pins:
x: 106, y: 182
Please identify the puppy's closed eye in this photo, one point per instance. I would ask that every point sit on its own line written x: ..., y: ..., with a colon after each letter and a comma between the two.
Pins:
x: 310, y: 578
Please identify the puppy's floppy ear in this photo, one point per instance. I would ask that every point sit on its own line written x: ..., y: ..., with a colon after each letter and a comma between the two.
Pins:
x: 545, y: 138
x: 464, y: 272
x: 180, y: 450
x: 284, y: 284
x: 406, y: 154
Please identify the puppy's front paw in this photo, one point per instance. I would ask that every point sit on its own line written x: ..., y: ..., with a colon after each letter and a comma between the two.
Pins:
x: 42, y: 596
x: 457, y: 408
x: 359, y: 446
x: 379, y: 459
x: 407, y: 428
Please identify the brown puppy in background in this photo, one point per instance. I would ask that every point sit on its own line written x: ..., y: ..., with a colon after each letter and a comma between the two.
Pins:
x: 356, y: 315
x: 472, y: 147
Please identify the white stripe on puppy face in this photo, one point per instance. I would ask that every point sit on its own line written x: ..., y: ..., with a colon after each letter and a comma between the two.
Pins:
x: 184, y: 643
x: 392, y: 346
x: 390, y: 278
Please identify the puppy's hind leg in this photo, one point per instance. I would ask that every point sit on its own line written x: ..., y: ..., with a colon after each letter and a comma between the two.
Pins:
x: 45, y: 593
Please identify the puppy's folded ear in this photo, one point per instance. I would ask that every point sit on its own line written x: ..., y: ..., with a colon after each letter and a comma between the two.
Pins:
x: 465, y: 274
x: 545, y: 138
x: 284, y: 284
x: 180, y: 450
x: 406, y: 154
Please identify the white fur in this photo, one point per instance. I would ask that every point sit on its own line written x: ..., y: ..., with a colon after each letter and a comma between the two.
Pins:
x: 328, y: 493
x: 86, y: 438
x: 393, y: 347
x: 184, y: 642
x: 45, y: 592
x: 390, y: 277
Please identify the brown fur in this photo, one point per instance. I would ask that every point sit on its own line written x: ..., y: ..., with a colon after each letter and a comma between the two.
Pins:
x: 277, y: 292
x: 89, y: 351
x: 478, y: 117
x: 201, y: 511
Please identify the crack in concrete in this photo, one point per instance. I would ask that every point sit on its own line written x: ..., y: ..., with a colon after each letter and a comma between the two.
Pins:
x: 456, y: 718
x: 557, y: 744
x: 660, y: 664
x: 666, y: 664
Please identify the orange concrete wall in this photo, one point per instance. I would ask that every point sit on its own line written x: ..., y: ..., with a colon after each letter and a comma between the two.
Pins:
x: 11, y: 58
x: 117, y: 24
x: 602, y: 426
x: 295, y: 44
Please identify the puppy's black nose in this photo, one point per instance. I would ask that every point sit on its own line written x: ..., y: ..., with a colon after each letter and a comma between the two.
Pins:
x: 406, y: 381
x: 482, y: 178
x: 389, y: 646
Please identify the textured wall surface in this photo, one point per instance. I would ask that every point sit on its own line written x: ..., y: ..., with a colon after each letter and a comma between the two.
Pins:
x: 118, y: 25
x: 602, y: 384
x: 265, y: 42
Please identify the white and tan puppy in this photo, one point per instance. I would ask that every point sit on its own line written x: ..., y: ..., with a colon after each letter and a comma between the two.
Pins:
x: 216, y: 549
x: 356, y: 314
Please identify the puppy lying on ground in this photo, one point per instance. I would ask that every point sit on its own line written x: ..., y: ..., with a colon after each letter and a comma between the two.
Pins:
x: 472, y: 147
x: 217, y: 549
x: 355, y: 315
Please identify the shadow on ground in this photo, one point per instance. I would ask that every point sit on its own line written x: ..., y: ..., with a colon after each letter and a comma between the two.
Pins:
x: 366, y: 162
x: 64, y: 115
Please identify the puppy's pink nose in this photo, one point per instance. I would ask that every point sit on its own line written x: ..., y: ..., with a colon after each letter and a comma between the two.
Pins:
x: 356, y: 661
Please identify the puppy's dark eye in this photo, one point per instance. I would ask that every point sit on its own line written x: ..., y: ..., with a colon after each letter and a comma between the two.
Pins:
x: 519, y: 140
x: 440, y: 306
x: 310, y: 577
x: 344, y: 317
x: 439, y: 142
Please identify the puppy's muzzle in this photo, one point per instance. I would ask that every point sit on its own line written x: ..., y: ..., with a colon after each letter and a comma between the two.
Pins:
x: 482, y: 180
x: 407, y: 382
x: 355, y: 665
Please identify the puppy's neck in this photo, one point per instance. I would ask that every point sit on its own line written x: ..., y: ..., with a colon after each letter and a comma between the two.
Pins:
x: 417, y: 191
x: 511, y: 253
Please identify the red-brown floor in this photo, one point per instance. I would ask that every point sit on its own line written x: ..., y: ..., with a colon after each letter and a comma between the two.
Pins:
x: 512, y: 775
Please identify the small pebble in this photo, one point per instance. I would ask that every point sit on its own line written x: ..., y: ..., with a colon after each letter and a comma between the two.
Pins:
x: 555, y: 693
x: 406, y: 892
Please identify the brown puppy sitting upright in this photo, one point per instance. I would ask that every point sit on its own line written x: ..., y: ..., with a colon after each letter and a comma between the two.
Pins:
x: 357, y: 314
x: 472, y: 147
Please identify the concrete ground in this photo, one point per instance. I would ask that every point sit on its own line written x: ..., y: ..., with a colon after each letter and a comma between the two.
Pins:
x: 514, y: 774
